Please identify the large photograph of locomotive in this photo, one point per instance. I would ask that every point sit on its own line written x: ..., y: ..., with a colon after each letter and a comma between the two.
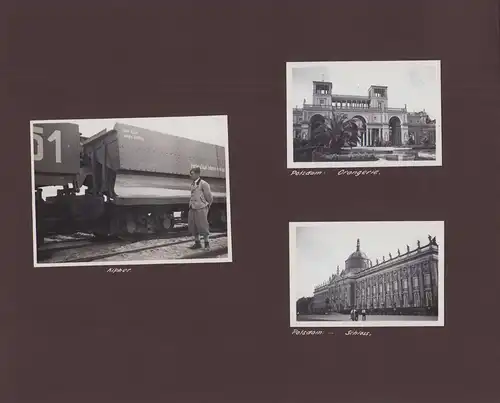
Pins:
x: 380, y: 273
x: 132, y: 191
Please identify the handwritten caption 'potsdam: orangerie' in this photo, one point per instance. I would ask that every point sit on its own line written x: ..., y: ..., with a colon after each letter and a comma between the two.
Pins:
x: 297, y: 332
x: 341, y: 172
x: 306, y: 173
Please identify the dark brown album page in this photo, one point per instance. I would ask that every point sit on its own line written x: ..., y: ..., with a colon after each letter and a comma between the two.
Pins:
x: 249, y: 201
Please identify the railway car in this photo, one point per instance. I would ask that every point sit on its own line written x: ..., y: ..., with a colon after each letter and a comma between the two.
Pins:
x: 136, y: 181
x: 57, y: 160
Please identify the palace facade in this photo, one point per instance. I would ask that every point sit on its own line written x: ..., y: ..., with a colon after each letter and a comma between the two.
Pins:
x: 406, y: 282
x: 378, y: 124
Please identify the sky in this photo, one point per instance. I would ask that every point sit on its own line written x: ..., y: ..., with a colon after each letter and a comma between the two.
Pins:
x: 414, y: 83
x: 209, y: 129
x: 320, y: 248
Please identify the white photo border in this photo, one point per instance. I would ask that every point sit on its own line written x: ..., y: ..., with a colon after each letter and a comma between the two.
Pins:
x: 291, y: 164
x: 294, y: 323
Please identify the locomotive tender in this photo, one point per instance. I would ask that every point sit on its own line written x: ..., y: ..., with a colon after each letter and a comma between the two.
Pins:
x: 136, y: 181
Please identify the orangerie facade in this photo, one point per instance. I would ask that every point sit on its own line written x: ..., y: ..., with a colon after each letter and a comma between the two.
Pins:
x: 404, y: 283
x: 378, y: 123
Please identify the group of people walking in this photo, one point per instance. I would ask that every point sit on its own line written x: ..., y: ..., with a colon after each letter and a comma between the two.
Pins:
x: 355, y: 314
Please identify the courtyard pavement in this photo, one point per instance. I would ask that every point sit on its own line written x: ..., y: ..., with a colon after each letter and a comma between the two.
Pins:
x: 332, y: 317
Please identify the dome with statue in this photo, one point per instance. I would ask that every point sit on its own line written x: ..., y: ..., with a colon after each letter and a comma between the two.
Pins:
x: 357, y: 261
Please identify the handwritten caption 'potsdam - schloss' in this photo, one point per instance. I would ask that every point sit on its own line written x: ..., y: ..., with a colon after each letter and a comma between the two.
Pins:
x: 297, y: 332
x: 342, y: 172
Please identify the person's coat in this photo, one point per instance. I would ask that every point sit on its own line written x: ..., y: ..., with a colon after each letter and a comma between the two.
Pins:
x: 201, y: 195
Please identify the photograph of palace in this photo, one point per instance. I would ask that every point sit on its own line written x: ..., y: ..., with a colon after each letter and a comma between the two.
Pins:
x: 366, y: 274
x: 391, y: 117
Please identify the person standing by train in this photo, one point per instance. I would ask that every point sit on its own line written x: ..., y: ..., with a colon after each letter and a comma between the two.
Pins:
x: 199, y: 204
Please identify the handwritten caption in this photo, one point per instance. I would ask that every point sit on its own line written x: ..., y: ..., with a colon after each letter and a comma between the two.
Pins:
x: 342, y: 172
x: 358, y: 172
x: 297, y: 332
x: 305, y: 173
x: 357, y: 333
x: 115, y: 270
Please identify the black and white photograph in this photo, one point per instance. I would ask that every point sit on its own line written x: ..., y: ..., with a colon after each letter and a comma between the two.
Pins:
x: 354, y: 114
x: 130, y: 191
x: 373, y: 274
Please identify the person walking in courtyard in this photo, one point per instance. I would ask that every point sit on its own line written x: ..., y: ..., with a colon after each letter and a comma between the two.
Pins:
x: 363, y: 314
x: 352, y: 314
x: 356, y: 315
x: 199, y: 205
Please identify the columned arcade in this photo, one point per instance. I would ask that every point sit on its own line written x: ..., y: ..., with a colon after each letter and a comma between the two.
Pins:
x: 379, y: 124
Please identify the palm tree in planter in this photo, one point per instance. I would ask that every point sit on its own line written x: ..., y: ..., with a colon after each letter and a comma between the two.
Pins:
x: 345, y: 131
x: 321, y: 134
x: 336, y: 132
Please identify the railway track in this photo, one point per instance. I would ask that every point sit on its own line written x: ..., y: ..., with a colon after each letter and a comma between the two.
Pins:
x: 69, y: 244
x: 68, y: 238
x: 82, y: 240
x: 123, y: 247
x: 56, y: 241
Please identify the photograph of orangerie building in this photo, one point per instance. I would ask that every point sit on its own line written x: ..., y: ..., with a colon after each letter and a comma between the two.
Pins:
x: 378, y: 123
x: 363, y: 114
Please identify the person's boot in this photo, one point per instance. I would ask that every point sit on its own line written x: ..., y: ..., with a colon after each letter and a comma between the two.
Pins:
x: 197, y: 245
x: 207, y: 245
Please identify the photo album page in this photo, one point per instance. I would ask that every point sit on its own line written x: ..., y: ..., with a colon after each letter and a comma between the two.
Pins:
x: 250, y: 202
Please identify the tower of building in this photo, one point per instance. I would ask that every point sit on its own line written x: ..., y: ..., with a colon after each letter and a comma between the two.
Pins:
x: 357, y: 261
x: 322, y: 93
x: 378, y: 96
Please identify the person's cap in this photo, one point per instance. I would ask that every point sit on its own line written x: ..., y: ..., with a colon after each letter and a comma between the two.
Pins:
x: 195, y: 170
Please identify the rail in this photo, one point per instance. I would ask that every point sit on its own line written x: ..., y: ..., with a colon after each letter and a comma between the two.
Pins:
x: 144, y: 248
